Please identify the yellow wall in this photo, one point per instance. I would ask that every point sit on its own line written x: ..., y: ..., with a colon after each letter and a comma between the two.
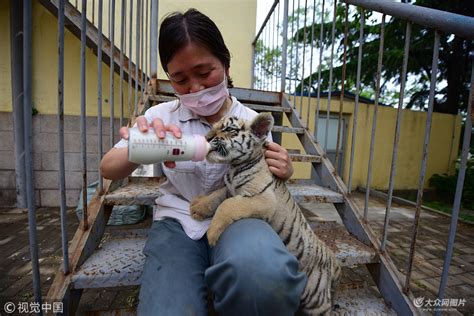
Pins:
x: 231, y: 15
x: 45, y: 69
x: 235, y: 18
x: 445, y: 133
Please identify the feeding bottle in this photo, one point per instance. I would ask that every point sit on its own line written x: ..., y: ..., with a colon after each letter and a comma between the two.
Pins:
x: 147, y: 148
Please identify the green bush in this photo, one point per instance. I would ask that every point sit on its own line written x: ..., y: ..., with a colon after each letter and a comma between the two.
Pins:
x: 445, y: 186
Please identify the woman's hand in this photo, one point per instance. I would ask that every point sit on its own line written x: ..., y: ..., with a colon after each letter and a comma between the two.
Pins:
x: 160, y: 131
x: 278, y: 161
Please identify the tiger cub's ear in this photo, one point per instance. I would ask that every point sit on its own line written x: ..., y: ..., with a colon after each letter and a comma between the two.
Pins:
x: 261, y: 125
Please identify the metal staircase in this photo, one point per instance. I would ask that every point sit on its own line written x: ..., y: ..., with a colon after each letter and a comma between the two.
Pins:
x: 114, y: 259
x: 99, y: 259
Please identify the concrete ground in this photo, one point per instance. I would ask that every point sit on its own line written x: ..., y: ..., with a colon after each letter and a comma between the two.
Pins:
x: 16, y: 278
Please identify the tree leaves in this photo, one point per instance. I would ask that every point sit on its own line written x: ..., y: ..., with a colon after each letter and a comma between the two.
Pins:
x: 453, y: 76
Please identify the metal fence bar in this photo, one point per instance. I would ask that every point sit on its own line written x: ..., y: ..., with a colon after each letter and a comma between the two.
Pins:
x: 123, y: 25
x: 296, y: 54
x: 403, y: 78
x: 85, y: 225
x: 147, y: 38
x: 374, y: 120
x: 446, y: 22
x: 16, y: 40
x: 311, y: 64
x: 459, y: 189
x: 154, y: 38
x: 277, y: 75
x: 261, y: 64
x: 290, y: 73
x: 137, y: 54
x: 343, y: 82
x: 142, y: 41
x: 318, y: 93
x: 264, y: 24
x: 130, y: 60
x: 272, y: 45
x: 112, y: 66
x: 93, y: 12
x: 304, y: 51
x: 99, y: 93
x: 62, y: 169
x: 264, y: 62
x: 253, y: 82
x: 284, y: 57
x: 28, y: 135
x: 424, y: 161
x: 356, y: 106
x: 328, y: 110
x: 267, y: 62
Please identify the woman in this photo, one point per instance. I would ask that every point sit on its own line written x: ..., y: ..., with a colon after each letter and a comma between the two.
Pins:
x: 249, y: 271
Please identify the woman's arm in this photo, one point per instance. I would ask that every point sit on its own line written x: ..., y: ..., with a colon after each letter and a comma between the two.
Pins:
x: 115, y: 164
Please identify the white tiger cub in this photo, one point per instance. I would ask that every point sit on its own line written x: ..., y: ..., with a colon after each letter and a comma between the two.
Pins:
x: 252, y: 191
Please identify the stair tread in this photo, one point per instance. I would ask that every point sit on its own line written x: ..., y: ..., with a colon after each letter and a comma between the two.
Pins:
x: 267, y: 108
x: 138, y: 191
x: 360, y: 301
x: 347, y: 248
x: 355, y: 301
x: 286, y: 129
x: 119, y: 259
x: 144, y: 191
x: 314, y: 193
x: 304, y: 157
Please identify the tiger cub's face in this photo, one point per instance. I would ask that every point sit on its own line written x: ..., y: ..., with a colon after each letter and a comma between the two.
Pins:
x: 235, y: 141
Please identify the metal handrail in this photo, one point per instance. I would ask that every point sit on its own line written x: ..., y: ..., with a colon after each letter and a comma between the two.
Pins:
x: 443, y: 21
x: 438, y: 22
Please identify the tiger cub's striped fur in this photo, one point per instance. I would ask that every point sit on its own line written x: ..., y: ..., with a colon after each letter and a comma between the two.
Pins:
x: 252, y: 191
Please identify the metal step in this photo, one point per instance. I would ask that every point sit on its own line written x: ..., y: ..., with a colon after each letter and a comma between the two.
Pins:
x: 257, y: 107
x: 286, y: 129
x: 359, y: 301
x: 267, y: 108
x: 162, y: 98
x: 119, y: 259
x: 304, y: 158
x: 242, y: 94
x: 144, y: 191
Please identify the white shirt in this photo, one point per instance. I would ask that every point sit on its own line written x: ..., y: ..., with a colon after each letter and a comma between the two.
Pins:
x: 188, y: 179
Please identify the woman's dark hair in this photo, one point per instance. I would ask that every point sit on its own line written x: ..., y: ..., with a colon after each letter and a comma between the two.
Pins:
x: 179, y: 29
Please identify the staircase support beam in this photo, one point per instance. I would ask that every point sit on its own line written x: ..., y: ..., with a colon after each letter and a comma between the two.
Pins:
x: 82, y: 246
x: 73, y: 24
x: 384, y: 273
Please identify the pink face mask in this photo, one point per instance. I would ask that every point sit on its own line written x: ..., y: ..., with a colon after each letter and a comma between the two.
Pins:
x: 206, y: 102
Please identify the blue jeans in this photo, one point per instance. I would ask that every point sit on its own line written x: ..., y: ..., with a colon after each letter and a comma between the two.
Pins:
x: 248, y: 272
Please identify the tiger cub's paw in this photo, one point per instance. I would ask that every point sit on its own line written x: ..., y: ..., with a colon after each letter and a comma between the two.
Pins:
x: 201, y: 208
x: 213, y: 234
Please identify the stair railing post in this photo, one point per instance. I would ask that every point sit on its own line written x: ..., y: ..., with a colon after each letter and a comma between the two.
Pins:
x: 28, y: 142
x: 459, y: 189
x: 157, y: 171
x: 154, y: 38
x: 60, y: 120
x: 99, y: 93
x: 284, y: 46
